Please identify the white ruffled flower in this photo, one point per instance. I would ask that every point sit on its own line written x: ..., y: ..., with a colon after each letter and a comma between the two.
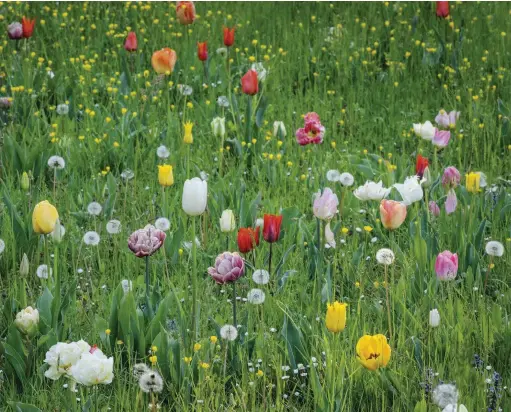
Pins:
x: 27, y: 321
x: 62, y: 356
x: 410, y: 191
x: 425, y: 130
x: 93, y: 369
x: 371, y: 191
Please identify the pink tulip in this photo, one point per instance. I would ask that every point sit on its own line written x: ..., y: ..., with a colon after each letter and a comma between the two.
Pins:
x: 451, y: 202
x: 325, y: 204
x: 446, y: 265
x: 392, y: 213
x: 447, y: 120
x: 433, y: 208
x: 229, y: 267
x: 441, y: 138
x: 146, y: 241
x: 451, y: 177
x: 312, y: 132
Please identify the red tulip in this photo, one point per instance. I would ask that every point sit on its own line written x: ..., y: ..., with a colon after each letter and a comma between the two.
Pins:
x: 442, y: 9
x: 229, y: 36
x: 202, y: 51
x: 248, y: 239
x: 131, y: 44
x: 271, y: 228
x: 249, y: 84
x: 420, y: 166
x: 185, y: 11
x: 28, y: 27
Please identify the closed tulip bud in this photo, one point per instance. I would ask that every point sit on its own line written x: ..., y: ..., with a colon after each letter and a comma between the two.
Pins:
x: 279, y: 129
x: 229, y: 36
x: 434, y: 318
x: 335, y: 319
x: 218, y: 126
x: 131, y: 43
x: 185, y: 11
x: 250, y: 83
x: 473, y: 182
x: 25, y: 181
x: 442, y: 9
x: 24, y: 265
x: 271, y: 228
x: 248, y: 239
x: 28, y: 27
x: 227, y: 221
x: 44, y: 218
x: 434, y: 208
x: 27, y: 321
x: 195, y: 196
x: 188, y: 137
x: 58, y: 233
x: 165, y: 175
x: 392, y: 214
x: 451, y: 177
x: 202, y: 51
x: 164, y: 60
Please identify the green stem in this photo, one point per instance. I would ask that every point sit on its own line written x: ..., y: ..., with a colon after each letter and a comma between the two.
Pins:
x: 56, y: 307
x: 235, y: 323
x: 147, y: 283
x: 194, y: 281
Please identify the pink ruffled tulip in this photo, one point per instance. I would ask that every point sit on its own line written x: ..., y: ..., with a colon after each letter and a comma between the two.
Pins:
x: 146, y: 241
x: 312, y: 132
x: 392, y: 214
x: 325, y: 204
x: 446, y: 265
x: 451, y: 202
x: 229, y: 267
x: 441, y: 138
x: 451, y: 177
x: 433, y: 208
x: 447, y: 120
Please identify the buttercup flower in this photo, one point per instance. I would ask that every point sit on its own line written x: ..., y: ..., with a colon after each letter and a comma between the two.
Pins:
x: 227, y: 221
x: 371, y: 191
x: 325, y: 204
x: 446, y: 265
x: 410, y: 191
x: 185, y: 12
x: 44, y: 218
x: 27, y: 321
x: 146, y: 241
x: 335, y: 319
x: 312, y: 132
x: 165, y: 175
x: 373, y: 352
x: 229, y: 267
x: 164, y: 60
x: 195, y: 196
x: 447, y: 120
x: 425, y: 130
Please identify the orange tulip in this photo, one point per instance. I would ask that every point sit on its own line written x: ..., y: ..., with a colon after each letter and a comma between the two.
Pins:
x: 164, y: 60
x: 392, y: 213
x: 229, y: 36
x: 202, y: 51
x: 185, y: 11
x: 249, y: 83
x: 28, y: 27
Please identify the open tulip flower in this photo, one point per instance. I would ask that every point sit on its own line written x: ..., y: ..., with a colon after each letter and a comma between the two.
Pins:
x: 164, y: 60
x: 392, y: 214
x: 373, y: 352
x: 312, y: 132
x: 185, y: 11
x: 229, y: 267
x: 248, y: 239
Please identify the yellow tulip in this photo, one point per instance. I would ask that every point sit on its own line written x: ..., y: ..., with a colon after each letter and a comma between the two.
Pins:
x: 472, y: 181
x: 373, y: 352
x: 165, y: 175
x: 44, y: 217
x: 336, y: 317
x: 188, y: 137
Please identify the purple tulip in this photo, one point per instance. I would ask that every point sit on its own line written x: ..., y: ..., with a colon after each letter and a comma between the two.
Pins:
x: 451, y: 177
x: 451, y: 202
x: 15, y: 31
x: 441, y: 138
x: 229, y: 267
x: 5, y: 102
x: 433, y: 208
x: 447, y: 120
x: 146, y: 241
x: 446, y: 265
x: 325, y: 204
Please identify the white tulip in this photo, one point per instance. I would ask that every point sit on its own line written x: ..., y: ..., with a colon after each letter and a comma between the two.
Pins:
x: 279, y: 126
x: 195, y: 196
x: 371, y: 191
x: 455, y: 408
x: 434, y: 318
x: 425, y: 130
x: 227, y: 221
x: 62, y: 356
x: 410, y: 190
x: 24, y: 265
x: 93, y: 368
x: 27, y: 321
x: 218, y: 126
x: 58, y: 233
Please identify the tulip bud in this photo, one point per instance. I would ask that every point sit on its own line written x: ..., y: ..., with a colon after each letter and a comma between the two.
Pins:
x: 218, y: 126
x: 335, y: 319
x: 27, y: 321
x: 434, y: 318
x: 195, y: 196
x: 25, y: 181
x: 227, y: 221
x: 188, y: 137
x: 426, y: 178
x: 165, y: 175
x: 279, y: 130
x: 58, y: 233
x: 24, y: 265
x: 44, y: 218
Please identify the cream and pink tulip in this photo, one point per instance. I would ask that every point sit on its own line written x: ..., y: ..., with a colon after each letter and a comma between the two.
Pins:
x: 392, y: 214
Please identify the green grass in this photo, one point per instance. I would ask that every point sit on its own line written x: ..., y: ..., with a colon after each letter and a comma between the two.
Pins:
x: 380, y: 69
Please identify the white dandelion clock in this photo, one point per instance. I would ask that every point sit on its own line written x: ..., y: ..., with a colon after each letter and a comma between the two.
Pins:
x: 139, y: 369
x: 333, y: 175
x: 94, y: 208
x: 445, y: 394
x: 385, y: 257
x: 222, y: 101
x: 162, y: 152
x: 2, y: 246
x: 228, y: 332
x: 184, y: 89
x: 151, y: 382
x: 261, y: 277
x: 42, y: 272
x: 62, y: 109
x: 91, y: 238
x: 256, y: 296
x: 346, y: 179
x: 162, y: 224
x: 127, y: 175
x: 113, y: 227
x: 56, y: 162
x: 494, y: 248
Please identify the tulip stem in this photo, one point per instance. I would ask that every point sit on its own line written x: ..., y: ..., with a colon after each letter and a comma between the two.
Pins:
x: 56, y: 302
x: 194, y: 280
x: 147, y: 279
x: 269, y: 259
x: 234, y: 320
x: 388, y: 302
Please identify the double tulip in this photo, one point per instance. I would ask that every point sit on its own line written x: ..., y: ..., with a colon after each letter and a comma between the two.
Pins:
x: 145, y: 242
x: 446, y: 265
x: 164, y: 60
x: 392, y: 214
x: 229, y: 267
x: 325, y: 204
x: 271, y: 228
x: 44, y: 218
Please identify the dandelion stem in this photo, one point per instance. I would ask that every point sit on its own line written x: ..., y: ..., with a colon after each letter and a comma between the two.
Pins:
x: 388, y: 303
x: 488, y: 273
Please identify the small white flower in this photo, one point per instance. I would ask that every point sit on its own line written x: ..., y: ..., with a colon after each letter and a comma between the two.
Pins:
x: 346, y: 179
x: 203, y: 175
x: 222, y: 101
x: 261, y: 277
x: 162, y: 223
x: 228, y: 332
x: 42, y: 271
x: 162, y: 152
x: 445, y: 394
x: 127, y: 285
x: 62, y: 109
x: 385, y: 256
x: 425, y: 130
x: 222, y: 51
x: 262, y: 73
x: 434, y: 318
x: 58, y: 232
x: 94, y: 208
x: 494, y: 248
x: 151, y: 382
x: 50, y: 74
x: 127, y: 174
x: 333, y: 175
x: 113, y: 227
x: 410, y: 191
x: 256, y: 296
x: 56, y: 162
x: 184, y: 89
x: 2, y: 246
x: 91, y: 238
